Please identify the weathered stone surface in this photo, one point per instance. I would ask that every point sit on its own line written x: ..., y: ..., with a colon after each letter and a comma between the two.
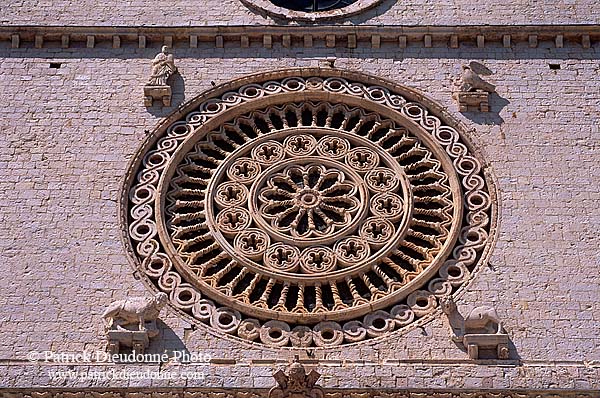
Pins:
x: 234, y: 12
x: 69, y: 132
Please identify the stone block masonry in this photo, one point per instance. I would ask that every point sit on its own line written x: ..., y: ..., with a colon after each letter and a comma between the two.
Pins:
x: 72, y: 118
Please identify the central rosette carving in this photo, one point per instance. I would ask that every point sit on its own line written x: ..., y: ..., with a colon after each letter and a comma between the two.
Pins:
x: 307, y: 205
x: 309, y: 201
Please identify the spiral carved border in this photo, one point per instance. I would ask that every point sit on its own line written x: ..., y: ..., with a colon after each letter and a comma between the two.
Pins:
x: 141, y: 199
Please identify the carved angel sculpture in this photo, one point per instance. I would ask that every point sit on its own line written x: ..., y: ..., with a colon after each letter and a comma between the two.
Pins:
x: 163, y: 66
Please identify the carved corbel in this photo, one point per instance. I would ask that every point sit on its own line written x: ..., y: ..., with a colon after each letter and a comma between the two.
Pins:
x: 296, y: 383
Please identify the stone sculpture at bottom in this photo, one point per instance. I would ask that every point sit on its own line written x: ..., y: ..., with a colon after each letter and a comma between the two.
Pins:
x: 481, y: 328
x: 297, y: 383
x: 132, y: 322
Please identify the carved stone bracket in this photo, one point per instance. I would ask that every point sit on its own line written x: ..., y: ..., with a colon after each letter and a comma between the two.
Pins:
x: 157, y: 93
x: 475, y: 341
x: 138, y: 341
x: 473, y: 101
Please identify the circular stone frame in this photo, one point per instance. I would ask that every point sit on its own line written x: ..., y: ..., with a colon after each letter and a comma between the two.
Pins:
x: 146, y: 238
x: 284, y: 13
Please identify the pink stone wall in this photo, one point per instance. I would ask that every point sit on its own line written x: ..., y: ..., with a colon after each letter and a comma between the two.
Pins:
x: 68, y: 133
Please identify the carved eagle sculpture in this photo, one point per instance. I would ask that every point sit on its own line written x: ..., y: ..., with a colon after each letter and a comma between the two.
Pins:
x: 471, y: 81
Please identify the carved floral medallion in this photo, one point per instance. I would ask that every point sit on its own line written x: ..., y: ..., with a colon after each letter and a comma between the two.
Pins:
x: 313, y: 211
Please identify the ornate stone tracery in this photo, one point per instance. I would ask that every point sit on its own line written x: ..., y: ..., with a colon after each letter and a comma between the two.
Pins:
x: 306, y: 10
x: 333, y: 208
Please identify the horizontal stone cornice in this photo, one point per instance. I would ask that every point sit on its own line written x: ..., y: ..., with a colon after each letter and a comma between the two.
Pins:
x: 347, y: 36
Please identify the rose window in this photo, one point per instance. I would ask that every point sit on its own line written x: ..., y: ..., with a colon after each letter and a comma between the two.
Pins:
x: 312, y: 5
x: 308, y: 211
x: 311, y: 10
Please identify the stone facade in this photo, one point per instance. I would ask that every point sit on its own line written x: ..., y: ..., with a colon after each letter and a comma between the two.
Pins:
x: 73, y: 117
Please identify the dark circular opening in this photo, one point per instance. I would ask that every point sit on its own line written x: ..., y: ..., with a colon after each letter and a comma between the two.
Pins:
x: 293, y: 84
x: 377, y: 94
x: 275, y: 333
x: 335, y: 85
x: 212, y: 107
x: 413, y: 111
x: 444, y: 135
x: 225, y: 319
x: 312, y: 5
x: 251, y: 92
x: 156, y: 265
x: 327, y: 334
x: 142, y: 229
x: 454, y: 272
x: 379, y: 323
x: 185, y: 296
x: 204, y: 309
x: 180, y: 129
x: 143, y: 193
x: 473, y: 236
x: 476, y: 200
x: 467, y: 165
x: 422, y: 302
x: 250, y: 327
x: 155, y: 159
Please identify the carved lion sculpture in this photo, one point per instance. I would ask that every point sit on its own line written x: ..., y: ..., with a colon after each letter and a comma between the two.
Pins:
x: 448, y: 305
x: 134, y: 311
x: 479, y: 318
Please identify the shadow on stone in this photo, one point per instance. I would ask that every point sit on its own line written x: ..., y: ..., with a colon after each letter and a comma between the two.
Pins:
x: 166, y: 342
x: 496, y: 104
